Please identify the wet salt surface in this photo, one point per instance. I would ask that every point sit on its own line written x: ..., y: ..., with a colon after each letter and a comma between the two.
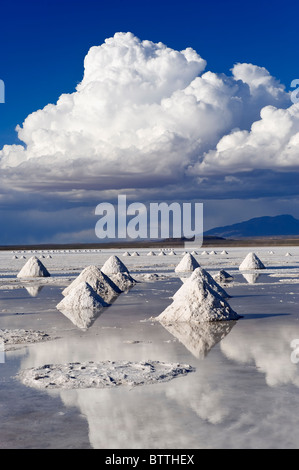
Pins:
x: 243, y: 393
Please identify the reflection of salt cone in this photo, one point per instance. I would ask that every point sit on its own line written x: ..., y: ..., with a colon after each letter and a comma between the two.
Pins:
x: 33, y: 268
x: 83, y: 319
x: 251, y: 278
x: 33, y: 290
x: 199, y: 338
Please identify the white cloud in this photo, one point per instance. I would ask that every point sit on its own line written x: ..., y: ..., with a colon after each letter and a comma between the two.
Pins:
x: 272, y: 143
x: 146, y: 115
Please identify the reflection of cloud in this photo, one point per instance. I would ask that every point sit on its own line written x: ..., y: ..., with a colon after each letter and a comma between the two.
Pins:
x: 143, y: 408
x: 220, y: 396
x: 199, y: 338
x: 268, y: 348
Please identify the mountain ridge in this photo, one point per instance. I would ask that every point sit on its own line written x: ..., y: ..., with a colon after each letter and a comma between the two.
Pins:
x: 284, y: 225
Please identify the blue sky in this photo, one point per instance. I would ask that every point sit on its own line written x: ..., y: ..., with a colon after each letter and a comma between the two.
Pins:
x: 43, y: 45
x: 43, y: 42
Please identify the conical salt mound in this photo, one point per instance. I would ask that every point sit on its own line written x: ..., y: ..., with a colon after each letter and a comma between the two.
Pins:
x: 114, y: 265
x: 34, y: 268
x: 200, y: 275
x: 251, y: 262
x: 81, y: 298
x: 124, y: 281
x: 82, y: 305
x: 198, y: 303
x: 187, y: 264
x: 99, y: 281
x: 223, y: 276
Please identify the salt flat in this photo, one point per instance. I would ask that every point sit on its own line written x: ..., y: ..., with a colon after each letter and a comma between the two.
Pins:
x: 244, y: 387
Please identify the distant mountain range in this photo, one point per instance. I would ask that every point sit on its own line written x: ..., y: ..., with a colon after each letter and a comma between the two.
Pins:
x: 279, y: 226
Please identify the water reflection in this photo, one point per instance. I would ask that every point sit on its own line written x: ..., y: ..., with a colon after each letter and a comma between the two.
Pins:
x: 83, y: 318
x: 33, y: 291
x: 193, y: 411
x: 251, y: 278
x: 268, y: 348
x: 199, y: 338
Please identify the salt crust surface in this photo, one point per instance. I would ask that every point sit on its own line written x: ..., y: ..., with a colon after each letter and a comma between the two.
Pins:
x: 105, y: 374
x: 15, y: 337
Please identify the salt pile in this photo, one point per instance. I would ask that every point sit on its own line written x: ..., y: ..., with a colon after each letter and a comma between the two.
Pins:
x: 124, y: 281
x: 82, y: 305
x: 151, y: 253
x: 114, y: 265
x: 223, y: 276
x: 99, y: 282
x: 162, y: 253
x: 33, y: 268
x: 118, y: 273
x: 187, y: 264
x: 135, y: 253
x: 251, y: 262
x: 251, y: 278
x: 197, y: 302
x: 201, y: 275
x: 126, y: 253
x: 83, y: 297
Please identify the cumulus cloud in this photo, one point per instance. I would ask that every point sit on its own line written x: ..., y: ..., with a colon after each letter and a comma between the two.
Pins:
x: 145, y: 115
x: 272, y: 143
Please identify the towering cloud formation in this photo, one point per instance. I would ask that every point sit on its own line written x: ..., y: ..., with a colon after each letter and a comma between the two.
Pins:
x: 144, y: 113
